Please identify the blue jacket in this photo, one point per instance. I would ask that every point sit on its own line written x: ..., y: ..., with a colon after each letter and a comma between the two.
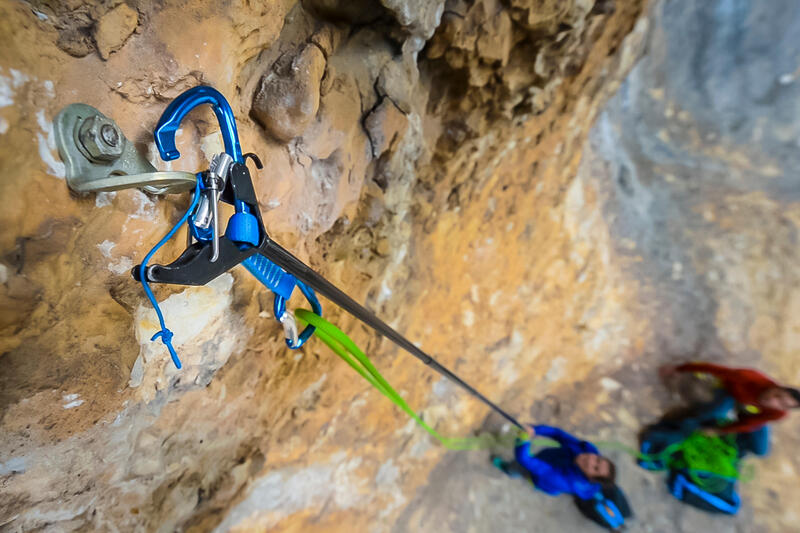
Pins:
x: 553, y: 470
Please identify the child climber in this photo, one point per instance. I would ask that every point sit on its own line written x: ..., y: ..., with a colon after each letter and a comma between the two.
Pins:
x: 573, y: 467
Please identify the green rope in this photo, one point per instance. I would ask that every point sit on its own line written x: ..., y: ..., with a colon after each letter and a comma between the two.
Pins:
x: 711, y: 462
x: 708, y: 460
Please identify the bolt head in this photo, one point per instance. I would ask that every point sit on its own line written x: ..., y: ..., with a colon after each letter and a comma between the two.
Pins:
x: 101, y: 139
x: 109, y: 135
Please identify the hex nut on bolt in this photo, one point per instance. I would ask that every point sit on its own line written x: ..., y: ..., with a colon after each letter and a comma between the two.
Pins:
x: 101, y: 139
x: 109, y: 135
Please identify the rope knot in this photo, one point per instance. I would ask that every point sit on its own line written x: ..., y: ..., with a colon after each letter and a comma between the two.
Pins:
x: 166, y: 337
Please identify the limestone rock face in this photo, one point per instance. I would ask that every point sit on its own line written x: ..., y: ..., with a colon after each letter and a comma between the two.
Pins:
x: 433, y: 159
x: 684, y: 208
x: 288, y: 98
x: 114, y: 28
x: 385, y: 125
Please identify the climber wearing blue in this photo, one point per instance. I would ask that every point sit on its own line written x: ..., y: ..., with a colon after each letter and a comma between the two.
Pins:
x: 575, y: 467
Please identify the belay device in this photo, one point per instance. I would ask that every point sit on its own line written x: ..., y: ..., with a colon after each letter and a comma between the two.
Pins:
x: 227, y: 180
x: 245, y: 240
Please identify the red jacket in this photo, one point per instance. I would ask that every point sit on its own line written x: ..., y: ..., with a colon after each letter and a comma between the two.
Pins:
x: 745, y: 386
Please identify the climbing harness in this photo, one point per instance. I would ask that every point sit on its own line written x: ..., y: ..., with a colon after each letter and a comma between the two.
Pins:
x: 246, y: 240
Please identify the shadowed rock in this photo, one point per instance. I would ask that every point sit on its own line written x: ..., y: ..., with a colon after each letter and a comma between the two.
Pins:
x: 287, y: 99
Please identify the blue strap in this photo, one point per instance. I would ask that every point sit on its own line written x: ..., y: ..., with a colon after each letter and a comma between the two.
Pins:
x: 610, y: 513
x: 724, y: 506
x: 165, y: 334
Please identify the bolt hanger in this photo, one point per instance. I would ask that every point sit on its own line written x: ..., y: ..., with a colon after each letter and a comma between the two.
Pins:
x: 98, y: 157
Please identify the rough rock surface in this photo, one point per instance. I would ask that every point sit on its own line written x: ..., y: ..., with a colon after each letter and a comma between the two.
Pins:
x: 437, y: 164
x: 687, y: 194
x: 288, y: 98
x: 114, y: 28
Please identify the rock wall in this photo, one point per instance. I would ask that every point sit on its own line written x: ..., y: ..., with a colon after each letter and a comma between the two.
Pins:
x: 429, y: 157
x: 685, y: 201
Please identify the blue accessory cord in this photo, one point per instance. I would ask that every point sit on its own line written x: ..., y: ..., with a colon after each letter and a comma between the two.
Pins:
x: 165, y: 334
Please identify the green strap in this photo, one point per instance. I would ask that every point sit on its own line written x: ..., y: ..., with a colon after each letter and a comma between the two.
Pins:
x: 345, y: 348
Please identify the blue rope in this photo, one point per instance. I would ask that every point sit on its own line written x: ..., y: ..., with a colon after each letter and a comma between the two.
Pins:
x: 165, y: 334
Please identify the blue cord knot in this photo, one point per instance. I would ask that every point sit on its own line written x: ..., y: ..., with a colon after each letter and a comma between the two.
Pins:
x: 166, y: 337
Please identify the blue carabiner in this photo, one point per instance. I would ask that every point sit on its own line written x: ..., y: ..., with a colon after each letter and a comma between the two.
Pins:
x: 279, y: 307
x: 243, y: 226
x: 176, y: 111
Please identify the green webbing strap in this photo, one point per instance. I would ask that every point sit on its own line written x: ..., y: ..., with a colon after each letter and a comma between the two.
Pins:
x: 345, y: 348
x: 698, y: 454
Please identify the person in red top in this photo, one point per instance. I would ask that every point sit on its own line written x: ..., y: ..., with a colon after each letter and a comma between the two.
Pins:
x: 759, y: 399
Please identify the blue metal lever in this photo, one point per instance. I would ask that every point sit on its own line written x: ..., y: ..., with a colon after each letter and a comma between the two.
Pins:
x: 178, y: 109
x: 282, y: 284
x: 271, y: 275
